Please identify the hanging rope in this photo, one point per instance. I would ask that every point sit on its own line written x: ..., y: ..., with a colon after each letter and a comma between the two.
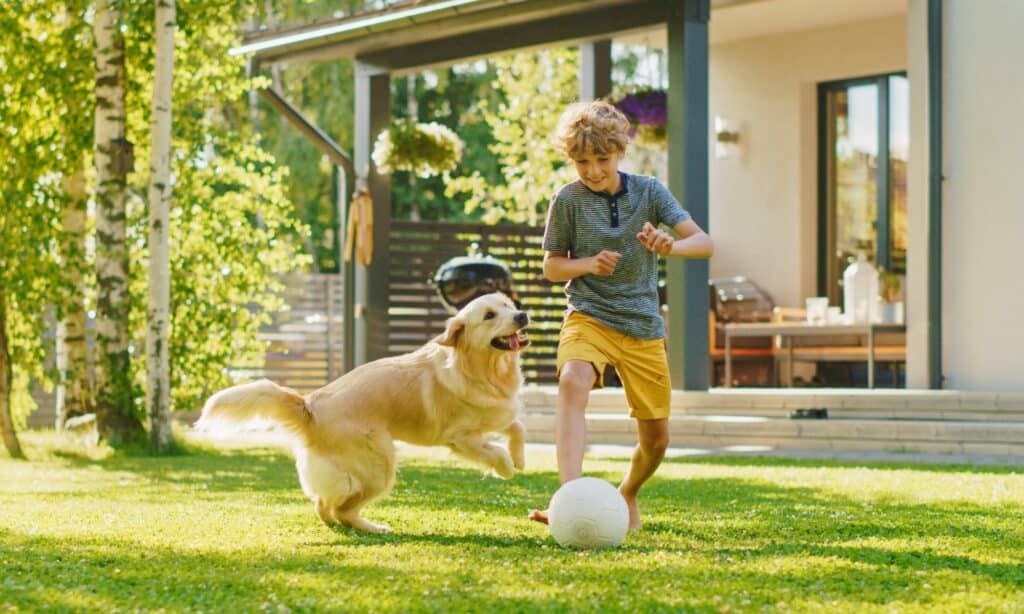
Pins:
x: 360, y: 228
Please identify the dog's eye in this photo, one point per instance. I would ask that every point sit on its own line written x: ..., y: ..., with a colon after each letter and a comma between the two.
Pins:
x: 489, y: 315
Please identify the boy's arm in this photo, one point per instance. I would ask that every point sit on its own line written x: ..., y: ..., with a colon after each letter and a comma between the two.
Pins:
x: 693, y: 242
x: 558, y: 266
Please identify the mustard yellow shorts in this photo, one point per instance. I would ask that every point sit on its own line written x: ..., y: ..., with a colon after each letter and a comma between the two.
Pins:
x: 642, y: 364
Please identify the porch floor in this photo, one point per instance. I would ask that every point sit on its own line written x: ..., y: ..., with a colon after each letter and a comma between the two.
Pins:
x: 920, y: 425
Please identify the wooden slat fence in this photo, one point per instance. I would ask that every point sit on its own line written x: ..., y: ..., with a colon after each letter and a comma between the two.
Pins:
x: 304, y: 348
x: 416, y: 314
x: 305, y: 343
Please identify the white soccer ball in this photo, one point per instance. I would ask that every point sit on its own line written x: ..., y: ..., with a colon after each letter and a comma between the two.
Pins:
x: 588, y: 513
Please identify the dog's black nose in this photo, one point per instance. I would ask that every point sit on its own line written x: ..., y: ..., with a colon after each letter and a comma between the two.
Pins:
x: 522, y: 319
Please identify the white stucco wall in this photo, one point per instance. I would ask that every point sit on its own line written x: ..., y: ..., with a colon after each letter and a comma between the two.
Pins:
x: 763, y: 205
x: 916, y: 285
x: 983, y: 199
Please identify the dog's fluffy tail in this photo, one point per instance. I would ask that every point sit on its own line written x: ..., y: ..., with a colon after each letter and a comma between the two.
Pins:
x: 259, y: 400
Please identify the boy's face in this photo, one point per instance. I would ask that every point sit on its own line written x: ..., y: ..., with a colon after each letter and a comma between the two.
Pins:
x: 599, y: 172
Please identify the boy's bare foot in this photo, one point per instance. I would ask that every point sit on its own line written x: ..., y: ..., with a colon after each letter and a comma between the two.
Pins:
x: 540, y: 516
x: 635, y: 523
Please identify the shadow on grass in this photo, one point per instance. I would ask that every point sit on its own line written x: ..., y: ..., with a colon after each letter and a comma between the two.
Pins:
x: 267, y: 471
x: 734, y: 534
x: 738, y: 530
x: 450, y: 488
x: 158, y: 577
x: 765, y: 519
x: 754, y: 460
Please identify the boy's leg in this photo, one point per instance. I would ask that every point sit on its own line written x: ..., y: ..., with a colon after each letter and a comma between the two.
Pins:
x: 574, y: 387
x: 650, y: 450
x: 575, y: 381
x: 648, y: 387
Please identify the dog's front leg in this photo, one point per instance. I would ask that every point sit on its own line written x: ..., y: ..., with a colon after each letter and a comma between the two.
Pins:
x: 476, y: 448
x: 516, y: 434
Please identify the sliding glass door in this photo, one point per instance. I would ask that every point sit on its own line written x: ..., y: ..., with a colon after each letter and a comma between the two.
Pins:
x: 862, y: 180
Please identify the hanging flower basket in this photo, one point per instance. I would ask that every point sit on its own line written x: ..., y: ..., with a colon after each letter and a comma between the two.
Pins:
x: 647, y: 112
x: 424, y: 149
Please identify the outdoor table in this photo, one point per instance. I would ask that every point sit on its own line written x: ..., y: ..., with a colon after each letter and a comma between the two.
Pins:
x: 788, y: 330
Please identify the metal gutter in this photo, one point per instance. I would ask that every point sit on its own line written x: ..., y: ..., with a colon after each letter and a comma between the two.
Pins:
x: 385, y: 19
x: 438, y: 24
x: 935, y: 178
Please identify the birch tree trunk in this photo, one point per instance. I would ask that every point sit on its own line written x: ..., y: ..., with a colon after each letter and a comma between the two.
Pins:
x: 114, y: 412
x: 6, y: 422
x: 72, y: 354
x: 157, y: 393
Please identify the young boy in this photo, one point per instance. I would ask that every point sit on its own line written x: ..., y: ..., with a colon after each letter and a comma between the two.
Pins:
x: 602, y: 237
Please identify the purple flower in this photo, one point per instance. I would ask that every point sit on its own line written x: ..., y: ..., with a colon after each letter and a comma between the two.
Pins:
x: 644, y: 108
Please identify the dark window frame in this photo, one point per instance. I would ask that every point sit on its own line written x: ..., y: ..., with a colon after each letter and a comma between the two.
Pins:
x: 883, y: 219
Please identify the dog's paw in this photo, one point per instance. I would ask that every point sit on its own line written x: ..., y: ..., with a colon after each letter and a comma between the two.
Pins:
x: 504, y: 467
x: 518, y: 458
x: 378, y: 528
x: 362, y: 524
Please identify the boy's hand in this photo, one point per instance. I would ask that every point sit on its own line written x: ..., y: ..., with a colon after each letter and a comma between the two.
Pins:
x: 655, y: 239
x: 604, y: 263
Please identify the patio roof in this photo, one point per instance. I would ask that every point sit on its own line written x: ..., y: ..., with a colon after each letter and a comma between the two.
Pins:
x: 412, y: 35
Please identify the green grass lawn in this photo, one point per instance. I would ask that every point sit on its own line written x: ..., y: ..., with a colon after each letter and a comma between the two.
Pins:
x: 231, y: 531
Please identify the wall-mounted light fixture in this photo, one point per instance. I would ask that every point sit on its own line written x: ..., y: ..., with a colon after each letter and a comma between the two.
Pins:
x: 727, y: 138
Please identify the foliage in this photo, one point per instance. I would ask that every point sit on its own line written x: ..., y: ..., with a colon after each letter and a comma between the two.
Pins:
x: 45, y: 132
x: 229, y: 206
x: 452, y: 97
x: 232, y: 531
x: 324, y: 93
x: 646, y: 109
x: 424, y: 149
x: 534, y: 90
x: 890, y: 285
x: 232, y: 227
x: 218, y: 298
x: 635, y: 68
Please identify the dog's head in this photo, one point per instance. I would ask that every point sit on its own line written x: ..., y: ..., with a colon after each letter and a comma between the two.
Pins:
x: 491, y: 321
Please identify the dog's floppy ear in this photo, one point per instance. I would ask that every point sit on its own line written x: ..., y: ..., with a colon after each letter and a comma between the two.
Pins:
x: 452, y: 332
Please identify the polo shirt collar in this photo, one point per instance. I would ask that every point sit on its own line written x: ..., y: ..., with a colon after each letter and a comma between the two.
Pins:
x: 612, y: 198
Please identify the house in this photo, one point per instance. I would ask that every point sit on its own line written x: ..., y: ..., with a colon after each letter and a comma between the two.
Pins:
x: 887, y: 126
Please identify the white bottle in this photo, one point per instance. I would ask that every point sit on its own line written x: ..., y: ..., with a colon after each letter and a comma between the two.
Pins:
x: 860, y: 291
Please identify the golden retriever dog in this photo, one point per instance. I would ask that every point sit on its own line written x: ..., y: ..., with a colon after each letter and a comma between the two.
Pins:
x: 453, y: 391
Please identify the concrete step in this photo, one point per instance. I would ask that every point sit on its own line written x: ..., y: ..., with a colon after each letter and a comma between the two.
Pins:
x: 709, y: 431
x: 840, y: 403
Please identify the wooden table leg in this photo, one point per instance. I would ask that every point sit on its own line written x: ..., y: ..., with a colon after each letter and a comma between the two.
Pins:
x: 789, y: 361
x: 871, y: 356
x: 728, y: 360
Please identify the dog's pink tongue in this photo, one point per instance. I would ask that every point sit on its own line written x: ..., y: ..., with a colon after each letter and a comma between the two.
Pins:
x: 513, y: 342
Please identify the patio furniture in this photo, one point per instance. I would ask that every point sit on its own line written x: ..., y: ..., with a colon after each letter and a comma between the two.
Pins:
x: 788, y: 331
x: 739, y: 299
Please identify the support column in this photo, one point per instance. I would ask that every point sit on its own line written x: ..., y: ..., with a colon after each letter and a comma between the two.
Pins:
x: 595, y: 69
x: 925, y: 184
x: 347, y: 269
x: 936, y: 380
x: 687, y: 283
x: 369, y: 285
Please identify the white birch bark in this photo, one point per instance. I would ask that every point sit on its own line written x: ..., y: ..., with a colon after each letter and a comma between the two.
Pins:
x: 113, y: 384
x: 157, y: 393
x: 72, y: 353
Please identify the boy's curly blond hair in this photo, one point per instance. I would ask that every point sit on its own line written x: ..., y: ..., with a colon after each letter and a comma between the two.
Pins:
x: 591, y: 128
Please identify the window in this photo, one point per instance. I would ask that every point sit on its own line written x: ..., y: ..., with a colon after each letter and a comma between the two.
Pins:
x: 864, y: 138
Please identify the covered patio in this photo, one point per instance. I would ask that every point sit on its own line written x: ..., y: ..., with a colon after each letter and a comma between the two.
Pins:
x: 413, y: 36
